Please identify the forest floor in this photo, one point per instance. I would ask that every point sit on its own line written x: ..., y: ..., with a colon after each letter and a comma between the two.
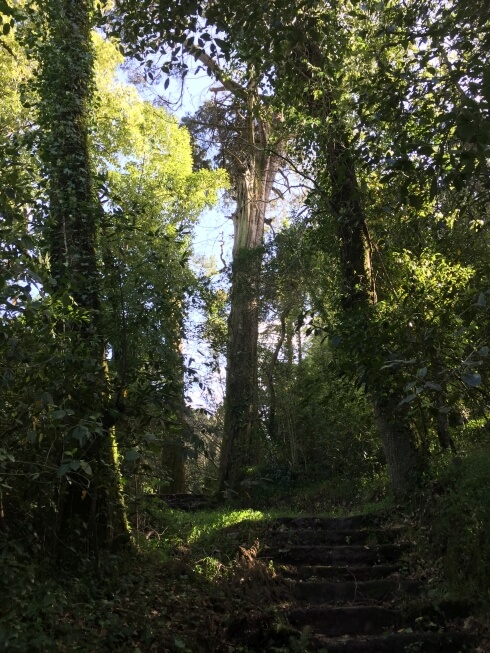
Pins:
x: 176, y: 589
x: 190, y: 582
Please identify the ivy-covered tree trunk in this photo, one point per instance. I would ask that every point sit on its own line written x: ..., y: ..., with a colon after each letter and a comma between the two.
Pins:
x: 253, y: 189
x: 173, y: 448
x: 272, y: 425
x: 404, y: 455
x: 340, y: 197
x: 90, y: 491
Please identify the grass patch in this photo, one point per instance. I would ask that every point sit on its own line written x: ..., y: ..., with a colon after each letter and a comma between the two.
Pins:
x: 336, y: 496
x: 200, y: 536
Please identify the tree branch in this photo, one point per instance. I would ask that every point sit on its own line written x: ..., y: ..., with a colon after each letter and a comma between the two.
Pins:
x: 228, y: 83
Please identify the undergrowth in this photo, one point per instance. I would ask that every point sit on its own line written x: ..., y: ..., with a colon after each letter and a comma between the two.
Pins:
x: 199, y: 535
x: 188, y: 578
x: 452, y: 522
x: 192, y: 583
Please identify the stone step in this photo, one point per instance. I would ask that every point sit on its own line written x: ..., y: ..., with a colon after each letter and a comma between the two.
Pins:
x: 344, y: 582
x: 352, y: 620
x: 332, y: 537
x: 335, y: 555
x: 363, y: 620
x: 356, y: 522
x: 403, y: 642
x: 354, y: 592
x: 340, y: 573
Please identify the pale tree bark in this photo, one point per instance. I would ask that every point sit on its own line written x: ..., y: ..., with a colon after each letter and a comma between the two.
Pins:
x: 253, y: 182
x: 252, y: 166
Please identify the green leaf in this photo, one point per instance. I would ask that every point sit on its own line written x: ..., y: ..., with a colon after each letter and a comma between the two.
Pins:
x: 80, y: 433
x: 179, y: 643
x: 58, y: 414
x: 66, y: 300
x: 408, y: 399
x: 86, y: 468
x: 481, y: 301
x: 472, y: 379
x: 132, y: 455
x: 47, y: 398
x: 422, y: 373
x: 484, y: 351
x: 433, y: 386
x: 63, y: 470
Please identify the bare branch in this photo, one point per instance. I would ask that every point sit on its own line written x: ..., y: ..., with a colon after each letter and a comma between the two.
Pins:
x: 228, y: 83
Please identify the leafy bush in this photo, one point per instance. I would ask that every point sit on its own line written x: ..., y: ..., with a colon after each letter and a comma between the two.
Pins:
x: 453, y: 526
x: 463, y: 528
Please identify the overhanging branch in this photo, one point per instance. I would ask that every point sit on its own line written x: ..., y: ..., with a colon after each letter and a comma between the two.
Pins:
x: 228, y: 83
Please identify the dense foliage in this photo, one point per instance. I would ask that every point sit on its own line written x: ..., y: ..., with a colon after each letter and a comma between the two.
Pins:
x: 348, y: 143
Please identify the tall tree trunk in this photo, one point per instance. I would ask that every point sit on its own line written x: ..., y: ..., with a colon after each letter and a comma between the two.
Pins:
x: 173, y: 448
x: 404, y: 455
x: 253, y: 189
x: 66, y: 87
x: 337, y: 170
x: 173, y: 462
x: 272, y: 421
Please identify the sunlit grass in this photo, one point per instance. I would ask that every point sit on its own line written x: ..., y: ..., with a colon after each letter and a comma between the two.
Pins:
x: 209, y: 540
x: 208, y: 523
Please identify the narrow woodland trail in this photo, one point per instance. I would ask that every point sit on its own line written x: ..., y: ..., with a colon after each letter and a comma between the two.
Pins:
x: 350, y: 586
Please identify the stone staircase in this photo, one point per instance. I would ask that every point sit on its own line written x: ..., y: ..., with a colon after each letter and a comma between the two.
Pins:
x: 347, y: 585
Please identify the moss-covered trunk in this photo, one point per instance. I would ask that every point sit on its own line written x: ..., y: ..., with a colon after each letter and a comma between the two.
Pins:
x: 404, y: 455
x: 340, y: 200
